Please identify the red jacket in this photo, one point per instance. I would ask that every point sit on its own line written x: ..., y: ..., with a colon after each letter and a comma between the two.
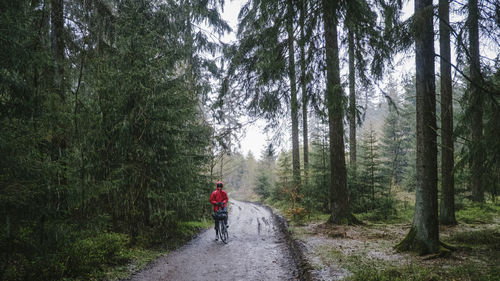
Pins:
x: 218, y: 196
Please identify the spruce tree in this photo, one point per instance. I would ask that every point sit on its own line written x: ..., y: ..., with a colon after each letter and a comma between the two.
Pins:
x: 101, y: 136
x: 423, y: 236
x: 294, y: 106
x: 319, y: 188
x: 447, y: 207
x: 265, y: 172
x: 303, y: 7
x: 262, y: 65
x: 396, y: 136
x: 475, y: 104
x: 340, y: 209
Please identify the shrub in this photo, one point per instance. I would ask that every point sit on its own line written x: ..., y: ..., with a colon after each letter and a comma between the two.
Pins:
x: 89, y: 254
x: 384, y: 210
x: 298, y: 214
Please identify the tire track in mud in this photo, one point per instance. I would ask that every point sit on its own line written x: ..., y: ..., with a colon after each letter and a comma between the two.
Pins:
x: 258, y: 249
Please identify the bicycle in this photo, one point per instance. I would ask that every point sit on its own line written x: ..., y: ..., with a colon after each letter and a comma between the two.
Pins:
x: 220, y: 226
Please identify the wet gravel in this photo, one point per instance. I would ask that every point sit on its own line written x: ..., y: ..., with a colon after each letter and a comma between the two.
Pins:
x: 257, y: 250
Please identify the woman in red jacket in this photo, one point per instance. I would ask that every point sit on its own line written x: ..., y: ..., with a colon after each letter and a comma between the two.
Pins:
x: 219, y: 200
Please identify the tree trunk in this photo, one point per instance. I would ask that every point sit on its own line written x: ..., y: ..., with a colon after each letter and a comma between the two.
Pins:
x: 305, y: 97
x: 57, y: 44
x: 293, y: 98
x: 447, y: 210
x: 352, y: 105
x: 372, y: 165
x: 340, y: 208
x: 424, y: 234
x: 476, y: 104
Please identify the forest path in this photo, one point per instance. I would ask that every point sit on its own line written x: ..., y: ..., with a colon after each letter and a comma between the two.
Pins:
x: 256, y: 250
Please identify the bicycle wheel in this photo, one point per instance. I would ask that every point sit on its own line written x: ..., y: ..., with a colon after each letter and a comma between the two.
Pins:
x: 223, y: 232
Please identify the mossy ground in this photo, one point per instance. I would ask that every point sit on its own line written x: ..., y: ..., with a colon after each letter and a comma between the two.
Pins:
x: 140, y: 257
x: 366, y: 252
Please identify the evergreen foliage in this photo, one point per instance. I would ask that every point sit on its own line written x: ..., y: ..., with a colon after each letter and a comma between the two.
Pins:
x: 317, y: 193
x: 370, y: 182
x: 258, y: 67
x: 102, y: 144
x: 396, y: 139
x: 265, y: 172
x: 284, y: 182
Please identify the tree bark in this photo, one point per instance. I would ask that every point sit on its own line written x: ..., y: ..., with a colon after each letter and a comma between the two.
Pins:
x: 424, y: 234
x: 293, y: 98
x: 341, y: 213
x: 476, y: 104
x: 305, y: 97
x: 352, y: 104
x: 447, y: 209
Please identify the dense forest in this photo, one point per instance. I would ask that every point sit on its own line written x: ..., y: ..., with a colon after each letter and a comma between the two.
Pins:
x: 118, y: 116
x: 104, y: 141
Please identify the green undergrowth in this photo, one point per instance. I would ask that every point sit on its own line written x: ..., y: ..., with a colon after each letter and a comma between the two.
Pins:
x: 89, y: 256
x: 479, y: 213
x: 401, y: 211
x: 378, y: 272
x: 474, y: 214
x: 139, y: 257
x: 403, y: 215
x: 476, y: 239
x: 483, y: 238
x: 363, y: 268
x: 79, y: 256
x: 469, y: 213
x: 190, y: 228
x: 95, y: 255
x: 305, y: 217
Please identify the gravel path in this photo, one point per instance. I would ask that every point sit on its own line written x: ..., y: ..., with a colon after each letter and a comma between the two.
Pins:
x: 256, y: 250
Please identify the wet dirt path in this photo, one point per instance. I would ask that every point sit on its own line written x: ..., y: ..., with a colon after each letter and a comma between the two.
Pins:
x: 256, y: 250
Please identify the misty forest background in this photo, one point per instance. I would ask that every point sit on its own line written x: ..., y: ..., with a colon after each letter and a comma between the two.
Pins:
x: 118, y: 116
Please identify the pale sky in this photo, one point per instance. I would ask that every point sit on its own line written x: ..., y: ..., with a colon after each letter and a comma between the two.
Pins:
x: 254, y: 139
